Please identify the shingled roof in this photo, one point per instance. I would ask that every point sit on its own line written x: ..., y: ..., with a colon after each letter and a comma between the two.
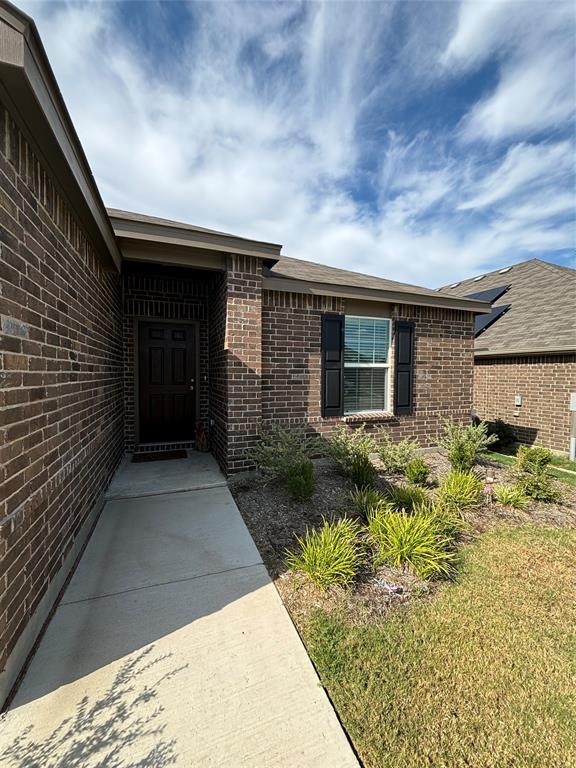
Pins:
x: 542, y: 313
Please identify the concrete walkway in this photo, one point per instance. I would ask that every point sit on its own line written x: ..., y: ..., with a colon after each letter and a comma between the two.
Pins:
x: 171, y: 647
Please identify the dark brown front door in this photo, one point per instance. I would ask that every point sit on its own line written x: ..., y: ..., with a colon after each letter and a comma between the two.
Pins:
x: 167, y: 373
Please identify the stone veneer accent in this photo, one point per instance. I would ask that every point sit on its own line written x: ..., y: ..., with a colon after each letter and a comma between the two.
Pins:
x: 61, y: 395
x: 544, y: 382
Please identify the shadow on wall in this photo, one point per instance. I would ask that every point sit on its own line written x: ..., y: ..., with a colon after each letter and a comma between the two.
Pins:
x: 103, y: 731
x: 526, y: 435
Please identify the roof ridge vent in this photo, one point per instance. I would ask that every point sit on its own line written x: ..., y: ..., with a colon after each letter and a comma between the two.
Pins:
x: 481, y: 277
x: 503, y: 271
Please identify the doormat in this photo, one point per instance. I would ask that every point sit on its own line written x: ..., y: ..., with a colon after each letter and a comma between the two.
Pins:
x: 137, y: 458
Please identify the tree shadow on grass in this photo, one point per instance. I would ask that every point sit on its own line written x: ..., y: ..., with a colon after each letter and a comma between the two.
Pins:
x: 105, y: 732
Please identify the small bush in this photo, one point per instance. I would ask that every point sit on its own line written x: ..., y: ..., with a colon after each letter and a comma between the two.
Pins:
x: 362, y: 471
x: 280, y: 449
x: 329, y: 556
x: 465, y: 443
x: 504, y: 434
x: 459, y: 491
x: 531, y: 474
x: 395, y: 457
x: 300, y: 480
x: 415, y: 542
x: 511, y: 496
x: 365, y: 500
x: 406, y: 497
x: 351, y: 449
x: 417, y: 471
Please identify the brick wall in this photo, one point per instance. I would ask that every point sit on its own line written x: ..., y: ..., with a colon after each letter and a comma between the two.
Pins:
x: 61, y: 381
x: 543, y: 381
x: 243, y: 344
x: 291, y: 366
x: 153, y: 292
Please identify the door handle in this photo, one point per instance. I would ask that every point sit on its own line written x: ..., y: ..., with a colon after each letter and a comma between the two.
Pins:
x: 192, y: 385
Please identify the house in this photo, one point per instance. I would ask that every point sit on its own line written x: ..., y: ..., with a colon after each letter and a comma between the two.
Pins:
x: 525, y: 349
x: 123, y: 332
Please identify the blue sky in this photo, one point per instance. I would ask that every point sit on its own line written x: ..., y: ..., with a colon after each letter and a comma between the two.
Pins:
x: 422, y: 141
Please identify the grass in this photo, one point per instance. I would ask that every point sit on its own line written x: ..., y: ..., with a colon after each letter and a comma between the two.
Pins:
x: 558, y: 462
x: 480, y: 677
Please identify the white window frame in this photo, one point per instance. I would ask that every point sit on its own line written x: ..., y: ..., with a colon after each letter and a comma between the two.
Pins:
x: 371, y: 365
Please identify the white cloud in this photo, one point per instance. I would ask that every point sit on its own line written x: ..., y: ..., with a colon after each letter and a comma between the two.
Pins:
x: 277, y: 121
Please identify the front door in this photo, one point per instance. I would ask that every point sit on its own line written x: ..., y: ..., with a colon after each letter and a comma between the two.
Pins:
x: 167, y: 372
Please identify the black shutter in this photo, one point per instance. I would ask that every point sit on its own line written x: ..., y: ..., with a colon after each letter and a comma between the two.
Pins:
x: 332, y: 365
x: 404, y: 375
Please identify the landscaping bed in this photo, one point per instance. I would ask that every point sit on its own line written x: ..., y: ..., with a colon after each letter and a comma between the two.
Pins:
x: 475, y: 669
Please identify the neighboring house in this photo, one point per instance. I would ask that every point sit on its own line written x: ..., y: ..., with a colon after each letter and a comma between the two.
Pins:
x: 128, y: 332
x: 525, y: 349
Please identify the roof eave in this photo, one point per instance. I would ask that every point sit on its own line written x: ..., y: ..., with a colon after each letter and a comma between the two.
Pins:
x: 29, y: 87
x: 293, y: 285
x: 521, y: 351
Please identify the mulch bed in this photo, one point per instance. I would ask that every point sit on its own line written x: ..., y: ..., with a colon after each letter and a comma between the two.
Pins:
x: 274, y: 520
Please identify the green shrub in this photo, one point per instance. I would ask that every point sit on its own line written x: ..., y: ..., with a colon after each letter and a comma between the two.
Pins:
x: 464, y: 443
x: 300, y: 480
x: 362, y: 471
x: 329, y: 556
x: 351, y: 449
x: 395, y: 457
x: 417, y: 471
x: 511, y: 496
x: 280, y: 449
x: 406, y: 497
x: 504, y: 434
x: 460, y: 490
x: 532, y: 476
x: 365, y: 500
x: 415, y: 542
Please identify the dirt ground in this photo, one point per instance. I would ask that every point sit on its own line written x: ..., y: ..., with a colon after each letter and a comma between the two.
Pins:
x: 275, y: 520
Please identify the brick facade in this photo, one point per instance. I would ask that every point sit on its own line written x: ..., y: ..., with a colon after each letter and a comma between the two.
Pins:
x: 291, y: 366
x: 61, y: 382
x: 544, y: 383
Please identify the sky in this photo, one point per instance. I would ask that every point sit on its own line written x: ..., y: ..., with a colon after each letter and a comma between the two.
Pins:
x: 420, y: 141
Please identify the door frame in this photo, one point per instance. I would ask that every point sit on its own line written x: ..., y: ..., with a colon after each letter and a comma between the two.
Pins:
x: 136, y: 352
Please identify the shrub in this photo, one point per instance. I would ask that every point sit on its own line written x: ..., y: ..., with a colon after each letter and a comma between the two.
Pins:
x: 464, y: 443
x: 406, y: 497
x: 531, y: 474
x: 365, y: 500
x: 504, y: 434
x: 280, y: 449
x: 460, y: 490
x: 351, y: 449
x: 511, y: 496
x: 300, y: 480
x: 415, y: 542
x: 417, y: 471
x: 395, y: 457
x: 329, y: 556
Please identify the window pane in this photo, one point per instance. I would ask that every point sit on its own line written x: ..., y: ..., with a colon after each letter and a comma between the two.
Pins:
x: 366, y: 341
x: 364, y: 389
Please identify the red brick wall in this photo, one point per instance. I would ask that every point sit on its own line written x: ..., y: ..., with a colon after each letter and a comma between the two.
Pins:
x: 163, y: 293
x: 543, y: 381
x: 61, y: 376
x: 291, y: 366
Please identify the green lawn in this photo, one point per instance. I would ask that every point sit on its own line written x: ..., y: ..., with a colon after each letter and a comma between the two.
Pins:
x: 556, y: 471
x: 481, y: 676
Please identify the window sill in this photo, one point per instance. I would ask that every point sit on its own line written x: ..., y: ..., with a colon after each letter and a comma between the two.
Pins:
x: 364, y: 416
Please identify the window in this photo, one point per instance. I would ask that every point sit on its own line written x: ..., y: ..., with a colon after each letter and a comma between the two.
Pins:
x: 366, y: 364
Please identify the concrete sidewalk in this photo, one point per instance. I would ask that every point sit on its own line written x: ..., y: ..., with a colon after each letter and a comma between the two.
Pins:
x: 171, y: 647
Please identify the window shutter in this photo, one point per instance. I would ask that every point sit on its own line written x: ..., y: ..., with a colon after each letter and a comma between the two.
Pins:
x: 332, y: 365
x: 404, y: 374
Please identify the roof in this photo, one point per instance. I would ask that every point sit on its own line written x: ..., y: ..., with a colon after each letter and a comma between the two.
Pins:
x: 542, y: 314
x: 308, y: 276
x: 30, y: 90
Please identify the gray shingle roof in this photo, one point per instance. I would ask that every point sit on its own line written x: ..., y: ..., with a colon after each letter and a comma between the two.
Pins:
x: 542, y: 316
